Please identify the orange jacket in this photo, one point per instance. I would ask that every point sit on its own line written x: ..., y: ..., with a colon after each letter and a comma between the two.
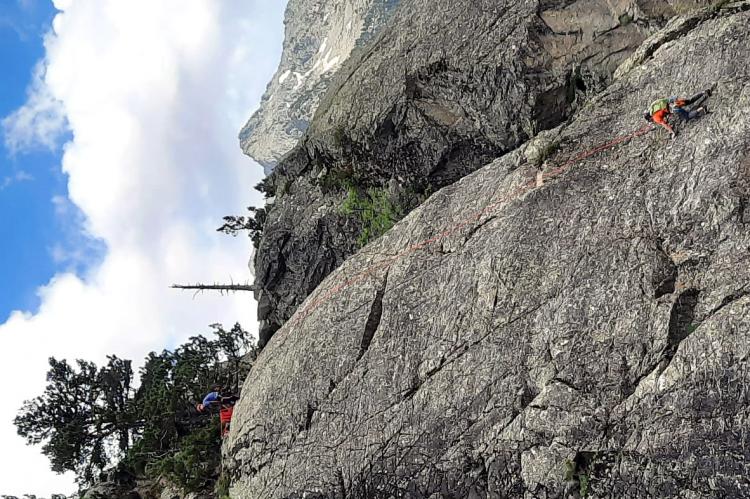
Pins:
x: 660, y: 116
x: 225, y: 414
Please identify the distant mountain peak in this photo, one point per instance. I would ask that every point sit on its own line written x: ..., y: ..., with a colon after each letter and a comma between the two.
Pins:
x: 319, y: 37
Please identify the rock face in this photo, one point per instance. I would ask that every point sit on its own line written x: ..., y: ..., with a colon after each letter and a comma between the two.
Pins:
x: 122, y: 485
x: 583, y: 332
x: 319, y: 37
x: 443, y: 89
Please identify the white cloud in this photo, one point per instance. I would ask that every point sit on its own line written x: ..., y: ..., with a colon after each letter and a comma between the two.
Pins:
x: 39, y: 122
x: 76, y: 248
x: 154, y: 94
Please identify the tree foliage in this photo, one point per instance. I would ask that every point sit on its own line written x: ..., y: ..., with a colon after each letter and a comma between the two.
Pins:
x: 82, y: 418
x: 90, y: 418
x: 253, y: 223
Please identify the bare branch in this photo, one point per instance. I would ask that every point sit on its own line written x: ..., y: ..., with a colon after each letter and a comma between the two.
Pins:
x: 233, y: 288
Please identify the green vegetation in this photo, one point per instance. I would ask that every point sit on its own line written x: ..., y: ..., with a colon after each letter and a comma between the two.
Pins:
x: 583, y: 481
x: 625, y: 19
x: 252, y: 223
x: 374, y: 209
x: 195, y: 465
x: 570, y: 470
x: 266, y: 187
x: 92, y: 418
x: 222, y: 487
x: 546, y: 152
x: 573, y: 472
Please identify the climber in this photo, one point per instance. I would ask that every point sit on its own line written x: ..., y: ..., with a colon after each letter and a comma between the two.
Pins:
x: 212, y: 398
x: 660, y: 110
x: 225, y: 418
x: 225, y: 403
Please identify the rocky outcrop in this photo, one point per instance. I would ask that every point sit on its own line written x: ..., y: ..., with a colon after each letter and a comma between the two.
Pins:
x: 123, y: 485
x: 119, y: 488
x: 143, y: 489
x: 171, y: 492
x: 444, y: 88
x: 319, y: 37
x: 117, y: 483
x: 583, y: 332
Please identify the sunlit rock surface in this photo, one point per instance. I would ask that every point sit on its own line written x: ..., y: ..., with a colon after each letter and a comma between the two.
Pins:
x: 522, y: 335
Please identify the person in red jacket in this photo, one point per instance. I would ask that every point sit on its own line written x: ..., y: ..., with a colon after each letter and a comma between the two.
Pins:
x: 225, y: 418
x: 660, y: 110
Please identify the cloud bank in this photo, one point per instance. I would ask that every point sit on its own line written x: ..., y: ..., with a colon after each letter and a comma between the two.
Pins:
x: 153, y: 94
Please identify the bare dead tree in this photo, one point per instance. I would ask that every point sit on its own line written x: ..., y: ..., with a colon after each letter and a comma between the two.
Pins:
x: 221, y: 288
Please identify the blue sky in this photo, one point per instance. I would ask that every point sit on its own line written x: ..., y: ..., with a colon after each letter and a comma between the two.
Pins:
x: 28, y: 181
x: 118, y: 160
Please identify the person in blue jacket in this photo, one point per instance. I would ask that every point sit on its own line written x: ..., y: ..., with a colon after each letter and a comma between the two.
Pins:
x: 215, y: 398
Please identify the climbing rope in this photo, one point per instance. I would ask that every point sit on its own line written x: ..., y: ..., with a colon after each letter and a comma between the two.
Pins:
x: 469, y: 220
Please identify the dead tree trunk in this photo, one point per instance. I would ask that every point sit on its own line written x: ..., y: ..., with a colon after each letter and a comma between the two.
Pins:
x: 221, y: 288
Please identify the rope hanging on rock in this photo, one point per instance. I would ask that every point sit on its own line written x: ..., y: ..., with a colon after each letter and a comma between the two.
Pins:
x: 471, y: 219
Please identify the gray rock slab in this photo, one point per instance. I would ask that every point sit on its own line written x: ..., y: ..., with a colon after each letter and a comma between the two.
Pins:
x: 588, y: 335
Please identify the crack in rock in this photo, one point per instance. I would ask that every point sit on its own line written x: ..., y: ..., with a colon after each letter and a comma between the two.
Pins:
x: 681, y: 321
x: 373, y: 318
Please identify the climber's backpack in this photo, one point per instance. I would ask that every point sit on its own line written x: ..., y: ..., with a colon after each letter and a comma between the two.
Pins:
x: 658, y: 105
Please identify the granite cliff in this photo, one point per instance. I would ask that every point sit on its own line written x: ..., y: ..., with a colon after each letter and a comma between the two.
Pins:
x: 565, y: 309
x: 443, y: 89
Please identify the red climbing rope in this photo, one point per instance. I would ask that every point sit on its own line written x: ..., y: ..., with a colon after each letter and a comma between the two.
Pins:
x: 472, y: 218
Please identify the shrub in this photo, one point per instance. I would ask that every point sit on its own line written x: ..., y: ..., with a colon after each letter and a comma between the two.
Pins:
x: 583, y: 482
x: 194, y: 466
x: 546, y: 152
x: 375, y: 211
x: 222, y: 487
